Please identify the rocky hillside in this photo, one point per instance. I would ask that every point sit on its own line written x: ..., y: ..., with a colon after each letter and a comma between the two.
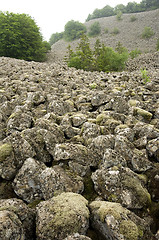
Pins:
x: 79, y: 152
x: 129, y: 33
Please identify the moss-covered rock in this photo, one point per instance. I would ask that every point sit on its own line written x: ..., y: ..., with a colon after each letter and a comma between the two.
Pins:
x: 116, y: 222
x: 61, y: 216
x: 5, y: 151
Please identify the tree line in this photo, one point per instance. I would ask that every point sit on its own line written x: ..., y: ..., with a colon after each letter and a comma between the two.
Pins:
x: 131, y: 7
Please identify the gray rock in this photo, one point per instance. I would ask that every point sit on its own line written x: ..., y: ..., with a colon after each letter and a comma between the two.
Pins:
x: 16, y: 220
x: 77, y: 236
x: 121, y: 185
x: 13, y: 152
x: 36, y: 181
x: 153, y: 148
x: 62, y: 216
x: 116, y: 222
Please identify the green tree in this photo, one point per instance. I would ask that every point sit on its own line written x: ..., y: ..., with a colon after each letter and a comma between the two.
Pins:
x: 73, y: 30
x: 20, y: 37
x: 83, y: 57
x: 55, y: 37
x: 102, y: 58
x: 95, y: 29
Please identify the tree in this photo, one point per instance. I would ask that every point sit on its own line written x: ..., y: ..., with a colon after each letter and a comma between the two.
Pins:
x: 20, y: 37
x: 102, y: 58
x: 73, y: 30
x: 55, y: 37
x: 83, y: 57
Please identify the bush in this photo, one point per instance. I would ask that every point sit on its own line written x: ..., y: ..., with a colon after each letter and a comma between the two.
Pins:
x: 115, y: 31
x: 21, y: 38
x: 135, y: 53
x: 147, y: 33
x: 95, y: 29
x: 119, y: 15
x: 133, y: 18
x: 106, y: 30
x: 101, y: 58
x: 144, y: 75
x: 74, y: 30
x: 55, y: 37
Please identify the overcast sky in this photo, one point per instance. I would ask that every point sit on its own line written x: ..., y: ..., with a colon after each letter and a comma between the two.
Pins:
x: 51, y: 16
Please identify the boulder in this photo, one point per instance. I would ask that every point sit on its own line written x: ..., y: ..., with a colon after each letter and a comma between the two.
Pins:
x: 16, y: 220
x: 36, y: 181
x: 119, y: 184
x: 116, y: 222
x: 62, y: 216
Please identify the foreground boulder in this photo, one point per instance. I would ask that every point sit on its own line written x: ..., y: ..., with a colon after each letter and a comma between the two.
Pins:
x: 62, y: 216
x: 16, y: 220
x: 116, y: 222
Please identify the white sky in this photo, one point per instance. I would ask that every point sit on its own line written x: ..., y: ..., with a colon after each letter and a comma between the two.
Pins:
x: 51, y: 16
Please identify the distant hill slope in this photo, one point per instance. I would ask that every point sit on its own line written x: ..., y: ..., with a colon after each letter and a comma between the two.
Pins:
x: 129, y: 35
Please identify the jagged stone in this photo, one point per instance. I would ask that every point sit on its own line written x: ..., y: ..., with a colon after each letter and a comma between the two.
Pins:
x: 77, y: 236
x: 122, y: 185
x: 16, y: 220
x: 13, y: 152
x: 36, y: 181
x: 116, y: 222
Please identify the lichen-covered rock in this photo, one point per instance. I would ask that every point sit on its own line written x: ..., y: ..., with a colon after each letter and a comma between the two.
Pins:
x: 142, y: 114
x: 90, y: 130
x: 153, y: 148
x: 77, y: 236
x: 62, y: 216
x: 10, y: 226
x: 16, y: 220
x: 98, y: 147
x: 55, y: 180
x: 116, y: 222
x: 78, y: 119
x: 73, y: 152
x: 112, y: 158
x: 13, y: 152
x: 35, y: 137
x: 122, y: 185
x: 18, y: 121
x: 26, y: 183
x: 36, y: 181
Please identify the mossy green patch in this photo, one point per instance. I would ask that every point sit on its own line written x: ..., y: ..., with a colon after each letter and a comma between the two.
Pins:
x: 5, y: 151
x: 129, y: 230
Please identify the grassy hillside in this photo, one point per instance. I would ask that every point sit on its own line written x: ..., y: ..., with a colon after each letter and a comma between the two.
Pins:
x: 130, y: 33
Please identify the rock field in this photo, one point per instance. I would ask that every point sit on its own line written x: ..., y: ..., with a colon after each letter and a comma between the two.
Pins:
x: 79, y: 152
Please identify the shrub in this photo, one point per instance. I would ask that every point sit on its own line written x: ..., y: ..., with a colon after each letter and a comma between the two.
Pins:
x: 106, y: 30
x: 20, y: 38
x: 95, y: 29
x: 147, y: 33
x: 119, y: 15
x: 133, y: 18
x: 135, y: 53
x: 74, y: 30
x: 144, y: 75
x: 115, y: 31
